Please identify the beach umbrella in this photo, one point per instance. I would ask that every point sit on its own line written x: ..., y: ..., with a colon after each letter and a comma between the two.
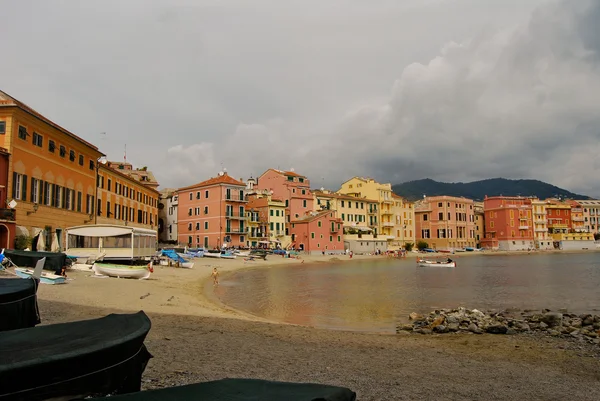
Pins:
x: 41, y: 244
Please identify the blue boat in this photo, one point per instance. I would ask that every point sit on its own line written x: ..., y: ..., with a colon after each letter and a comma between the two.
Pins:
x: 430, y: 250
x: 469, y: 249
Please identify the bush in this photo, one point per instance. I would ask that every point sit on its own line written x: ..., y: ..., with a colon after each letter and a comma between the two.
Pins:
x: 22, y: 242
x: 422, y: 245
x: 409, y: 246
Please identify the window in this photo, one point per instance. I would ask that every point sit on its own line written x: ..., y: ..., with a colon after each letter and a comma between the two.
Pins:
x: 191, y: 196
x: 205, y: 209
x: 206, y: 194
x: 312, y: 235
x: 197, y: 195
x: 189, y: 226
x: 35, y: 190
x: 99, y: 208
x: 189, y: 211
x: 319, y: 224
x: 108, y: 212
x: 48, y: 193
x: 62, y: 151
x: 109, y: 185
x: 81, y: 160
x: 271, y: 212
x: 22, y: 133
x: 72, y: 155
x: 304, y: 203
x: 2, y: 127
x: 441, y: 216
x: 19, y: 186
x: 425, y: 217
x: 38, y: 140
x: 197, y: 226
x: 206, y: 225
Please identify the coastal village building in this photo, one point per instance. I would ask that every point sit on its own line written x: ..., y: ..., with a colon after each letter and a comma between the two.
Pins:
x: 508, y: 223
x: 479, y: 223
x: 591, y: 215
x: 167, y: 215
x: 445, y: 222
x: 212, y: 213
x: 383, y: 216
x: 404, y: 225
x: 577, y: 219
x: 318, y: 232
x: 358, y: 217
x: 49, y: 172
x: 292, y: 188
x: 541, y: 238
x: 270, y: 228
x: 123, y: 200
x: 142, y: 174
x: 561, y: 227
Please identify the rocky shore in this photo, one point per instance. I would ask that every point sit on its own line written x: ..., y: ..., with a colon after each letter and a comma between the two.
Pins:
x: 561, y: 323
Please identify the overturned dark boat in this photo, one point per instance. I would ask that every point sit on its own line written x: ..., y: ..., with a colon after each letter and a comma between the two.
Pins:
x: 78, y: 359
x: 240, y: 390
x: 55, y: 261
x: 18, y: 303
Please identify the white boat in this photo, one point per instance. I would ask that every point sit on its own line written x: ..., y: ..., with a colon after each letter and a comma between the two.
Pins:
x: 81, y: 266
x: 45, y: 278
x: 187, y: 265
x: 242, y: 253
x: 433, y: 263
x: 212, y: 254
x: 123, y: 271
x: 227, y: 255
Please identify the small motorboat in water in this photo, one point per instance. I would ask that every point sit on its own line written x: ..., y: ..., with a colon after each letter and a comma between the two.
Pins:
x: 436, y: 263
x: 123, y: 271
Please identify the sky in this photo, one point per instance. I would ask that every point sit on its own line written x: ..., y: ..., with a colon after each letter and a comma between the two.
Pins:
x: 453, y: 90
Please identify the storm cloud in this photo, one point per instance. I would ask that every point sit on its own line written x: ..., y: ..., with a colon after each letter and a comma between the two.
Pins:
x: 451, y: 90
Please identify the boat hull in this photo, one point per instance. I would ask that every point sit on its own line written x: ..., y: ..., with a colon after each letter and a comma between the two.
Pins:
x: 426, y: 263
x: 212, y: 255
x: 187, y: 265
x: 121, y: 271
x: 81, y: 266
x: 46, y: 278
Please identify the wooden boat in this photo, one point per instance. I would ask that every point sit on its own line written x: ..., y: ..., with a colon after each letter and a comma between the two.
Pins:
x: 74, y: 360
x: 46, y: 278
x: 435, y: 263
x: 241, y: 389
x: 242, y: 253
x: 211, y: 253
x: 187, y: 265
x: 123, y: 271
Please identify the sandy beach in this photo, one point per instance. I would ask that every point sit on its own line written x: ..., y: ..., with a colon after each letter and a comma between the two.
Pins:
x: 196, y: 339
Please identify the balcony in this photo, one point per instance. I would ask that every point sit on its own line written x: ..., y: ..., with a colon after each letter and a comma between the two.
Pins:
x: 234, y: 198
x: 541, y: 230
x: 387, y: 224
x: 522, y: 218
x: 235, y: 216
x: 372, y: 211
x: 229, y: 230
x: 577, y: 218
x: 523, y: 227
x: 387, y: 212
x: 8, y: 214
x: 541, y: 221
x: 387, y: 201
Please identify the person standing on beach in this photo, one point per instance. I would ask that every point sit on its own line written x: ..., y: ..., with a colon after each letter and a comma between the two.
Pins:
x: 215, y: 276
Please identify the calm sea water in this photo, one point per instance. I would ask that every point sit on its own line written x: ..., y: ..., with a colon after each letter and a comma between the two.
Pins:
x: 376, y: 295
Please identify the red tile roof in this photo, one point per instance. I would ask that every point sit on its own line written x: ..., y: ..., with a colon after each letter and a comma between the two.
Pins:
x: 221, y: 179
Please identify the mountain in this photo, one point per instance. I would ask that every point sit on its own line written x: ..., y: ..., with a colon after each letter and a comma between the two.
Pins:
x: 477, y: 190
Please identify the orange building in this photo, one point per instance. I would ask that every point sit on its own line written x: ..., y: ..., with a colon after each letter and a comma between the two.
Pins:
x: 51, y: 176
x: 291, y: 187
x: 212, y: 213
x: 318, y: 232
x: 445, y: 222
x: 508, y: 223
x: 123, y: 200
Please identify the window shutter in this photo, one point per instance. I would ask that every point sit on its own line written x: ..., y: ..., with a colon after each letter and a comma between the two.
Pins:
x: 64, y: 198
x: 52, y: 195
x: 14, y: 185
x: 42, y: 199
x: 24, y: 191
x: 32, y: 189
x: 79, y: 201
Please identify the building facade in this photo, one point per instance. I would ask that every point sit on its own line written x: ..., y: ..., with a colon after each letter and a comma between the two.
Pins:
x: 404, y: 223
x: 562, y: 228
x: 591, y: 215
x: 212, y: 213
x: 167, y: 215
x: 508, y: 223
x: 270, y: 229
x: 541, y: 237
x: 292, y: 188
x: 445, y: 222
x: 479, y: 223
x: 122, y: 200
x: 318, y: 232
x: 51, y: 175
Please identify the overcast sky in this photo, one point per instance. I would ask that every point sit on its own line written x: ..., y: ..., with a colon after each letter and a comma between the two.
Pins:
x: 454, y: 90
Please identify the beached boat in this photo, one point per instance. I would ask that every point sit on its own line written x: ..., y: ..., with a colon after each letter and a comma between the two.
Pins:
x: 227, y: 255
x: 436, y: 263
x: 123, y: 271
x: 46, y: 278
x: 176, y: 257
x: 241, y: 389
x: 74, y: 360
x: 242, y: 254
x: 212, y: 253
x: 18, y: 303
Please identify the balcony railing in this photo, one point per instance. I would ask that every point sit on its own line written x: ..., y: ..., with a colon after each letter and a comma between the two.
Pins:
x: 523, y: 227
x: 8, y: 214
x: 372, y: 211
x: 234, y: 198
x: 541, y: 221
x: 388, y: 212
x: 577, y: 218
x: 235, y: 231
x: 387, y: 224
x: 235, y: 216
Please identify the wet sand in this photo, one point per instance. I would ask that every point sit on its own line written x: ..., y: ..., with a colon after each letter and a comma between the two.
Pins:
x: 195, y: 339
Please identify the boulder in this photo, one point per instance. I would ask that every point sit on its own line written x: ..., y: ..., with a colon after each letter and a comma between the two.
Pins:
x: 440, y: 329
x: 437, y: 321
x: 416, y: 316
x: 587, y: 320
x: 543, y: 326
x: 404, y: 327
x: 552, y: 319
x: 497, y: 329
x: 452, y: 327
x: 474, y: 329
x: 553, y: 333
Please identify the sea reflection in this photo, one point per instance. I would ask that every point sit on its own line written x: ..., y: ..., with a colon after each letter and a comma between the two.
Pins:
x: 376, y: 295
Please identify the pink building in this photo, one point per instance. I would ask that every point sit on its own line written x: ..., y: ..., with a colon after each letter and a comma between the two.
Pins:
x: 318, y: 232
x: 292, y: 188
x: 445, y: 222
x: 212, y: 213
x: 508, y: 223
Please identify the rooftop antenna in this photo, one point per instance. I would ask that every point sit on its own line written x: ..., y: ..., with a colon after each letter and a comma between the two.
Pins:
x: 125, y: 154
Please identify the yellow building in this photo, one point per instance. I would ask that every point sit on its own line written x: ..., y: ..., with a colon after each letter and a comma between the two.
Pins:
x: 381, y: 193
x: 51, y: 175
x: 404, y: 223
x: 479, y: 222
x: 353, y: 211
x: 541, y: 237
x: 123, y: 200
x: 591, y: 215
x: 271, y: 225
